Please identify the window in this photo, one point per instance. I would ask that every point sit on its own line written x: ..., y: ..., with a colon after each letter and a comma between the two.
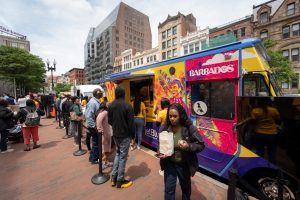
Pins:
x: 191, y: 48
x: 163, y: 45
x: 295, y: 82
x: 174, y: 30
x: 197, y: 47
x: 286, y: 32
x: 185, y: 50
x: 169, y: 32
x: 263, y: 34
x: 141, y: 61
x: 169, y: 54
x: 163, y: 35
x: 117, y: 38
x: 235, y: 32
x: 291, y: 9
x: 254, y: 85
x: 243, y: 32
x: 138, y: 62
x: 208, y: 93
x: 285, y: 53
x: 154, y: 57
x: 285, y: 85
x: 175, y: 41
x: 295, y: 29
x: 174, y: 52
x: 295, y: 55
x: 169, y: 43
x: 264, y: 17
x: 163, y: 56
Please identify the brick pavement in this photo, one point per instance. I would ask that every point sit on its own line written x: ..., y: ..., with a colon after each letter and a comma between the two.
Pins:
x: 52, y: 172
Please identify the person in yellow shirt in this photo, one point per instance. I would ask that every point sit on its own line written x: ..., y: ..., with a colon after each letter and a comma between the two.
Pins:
x: 139, y: 109
x: 162, y: 114
x: 84, y: 101
x: 266, y: 119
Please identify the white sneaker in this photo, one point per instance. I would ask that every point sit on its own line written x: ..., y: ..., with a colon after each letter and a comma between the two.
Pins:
x: 7, y: 151
x: 161, y: 172
x: 138, y: 147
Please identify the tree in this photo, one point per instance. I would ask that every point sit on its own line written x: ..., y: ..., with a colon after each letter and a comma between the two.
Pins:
x: 28, y: 70
x: 60, y: 87
x: 281, y: 67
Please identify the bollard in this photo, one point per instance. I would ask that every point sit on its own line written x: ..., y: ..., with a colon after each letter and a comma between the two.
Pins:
x: 233, y: 177
x: 80, y: 151
x: 100, y: 177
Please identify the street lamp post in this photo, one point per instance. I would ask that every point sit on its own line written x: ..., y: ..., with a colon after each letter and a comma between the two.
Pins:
x: 51, y: 68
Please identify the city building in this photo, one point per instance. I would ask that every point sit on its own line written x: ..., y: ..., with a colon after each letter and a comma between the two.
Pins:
x: 146, y: 57
x: 194, y: 41
x: 124, y: 28
x: 170, y: 31
x: 12, y: 39
x: 64, y: 78
x: 279, y: 20
x: 76, y: 74
x: 241, y: 28
x: 117, y: 64
x: 49, y: 82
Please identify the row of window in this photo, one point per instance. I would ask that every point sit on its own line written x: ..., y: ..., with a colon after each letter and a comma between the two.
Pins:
x: 191, y: 48
x: 294, y: 83
x: 264, y: 17
x: 169, y: 54
x: 169, y: 43
x: 286, y: 33
x: 130, y: 30
x: 293, y: 52
x: 237, y: 33
x: 127, y: 66
x: 134, y: 44
x: 169, y: 32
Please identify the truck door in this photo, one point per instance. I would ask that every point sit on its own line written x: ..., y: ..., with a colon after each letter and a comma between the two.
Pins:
x: 212, y: 109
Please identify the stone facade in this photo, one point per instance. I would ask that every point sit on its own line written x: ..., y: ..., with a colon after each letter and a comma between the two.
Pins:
x: 170, y: 31
x: 280, y: 21
x: 14, y: 42
x: 241, y: 28
x: 78, y: 75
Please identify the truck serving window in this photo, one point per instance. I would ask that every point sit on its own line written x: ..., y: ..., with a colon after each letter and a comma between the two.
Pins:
x: 213, y: 99
x: 254, y: 85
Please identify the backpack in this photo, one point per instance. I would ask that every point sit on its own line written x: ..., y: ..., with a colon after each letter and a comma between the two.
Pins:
x: 32, y: 118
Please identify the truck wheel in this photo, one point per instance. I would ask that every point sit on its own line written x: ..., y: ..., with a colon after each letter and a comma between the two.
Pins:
x: 269, y: 188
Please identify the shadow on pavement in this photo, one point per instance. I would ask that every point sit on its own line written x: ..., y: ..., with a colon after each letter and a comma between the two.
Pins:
x: 196, y: 194
x: 138, y: 171
x: 49, y: 144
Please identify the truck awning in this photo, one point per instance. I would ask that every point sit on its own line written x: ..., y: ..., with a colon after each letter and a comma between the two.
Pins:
x: 119, y: 77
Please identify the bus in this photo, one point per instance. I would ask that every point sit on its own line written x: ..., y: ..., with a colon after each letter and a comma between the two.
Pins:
x: 214, y: 86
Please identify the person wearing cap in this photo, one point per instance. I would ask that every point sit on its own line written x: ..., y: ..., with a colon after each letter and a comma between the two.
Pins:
x: 90, y: 116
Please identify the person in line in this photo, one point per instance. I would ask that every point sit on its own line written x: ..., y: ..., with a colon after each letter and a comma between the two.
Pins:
x: 162, y: 114
x: 6, y: 122
x: 84, y: 101
x: 32, y: 130
x: 121, y: 118
x: 106, y: 131
x: 57, y: 107
x: 65, y: 109
x: 22, y: 101
x: 266, y: 119
x: 183, y: 163
x: 139, y: 109
x: 90, y: 116
x: 76, y: 124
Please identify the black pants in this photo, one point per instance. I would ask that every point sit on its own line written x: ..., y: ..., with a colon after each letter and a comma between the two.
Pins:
x: 3, y: 142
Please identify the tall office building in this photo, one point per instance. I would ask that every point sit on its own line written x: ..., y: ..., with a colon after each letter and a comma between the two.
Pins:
x: 124, y: 28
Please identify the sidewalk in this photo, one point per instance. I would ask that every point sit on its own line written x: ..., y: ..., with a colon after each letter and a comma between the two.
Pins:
x: 52, y: 172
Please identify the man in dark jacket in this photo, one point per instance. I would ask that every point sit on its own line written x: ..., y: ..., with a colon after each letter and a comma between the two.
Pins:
x: 121, y: 117
x: 65, y: 110
x: 6, y: 116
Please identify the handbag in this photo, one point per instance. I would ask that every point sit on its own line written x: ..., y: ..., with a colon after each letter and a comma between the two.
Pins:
x: 75, y: 117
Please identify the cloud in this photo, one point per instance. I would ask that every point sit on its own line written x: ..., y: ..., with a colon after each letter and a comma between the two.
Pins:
x: 216, y: 59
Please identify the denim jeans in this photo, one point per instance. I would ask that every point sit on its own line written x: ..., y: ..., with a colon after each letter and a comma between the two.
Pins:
x: 3, y: 142
x: 122, y: 146
x: 94, y: 156
x: 139, y: 126
x: 171, y: 172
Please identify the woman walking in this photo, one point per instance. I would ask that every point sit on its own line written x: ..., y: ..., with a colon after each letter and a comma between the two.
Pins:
x: 183, y: 163
x: 30, y: 118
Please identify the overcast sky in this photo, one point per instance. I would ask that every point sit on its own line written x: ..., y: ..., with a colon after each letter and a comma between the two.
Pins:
x: 57, y: 29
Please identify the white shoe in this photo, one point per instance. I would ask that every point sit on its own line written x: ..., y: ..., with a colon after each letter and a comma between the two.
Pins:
x: 7, y: 151
x: 161, y: 172
x: 138, y: 147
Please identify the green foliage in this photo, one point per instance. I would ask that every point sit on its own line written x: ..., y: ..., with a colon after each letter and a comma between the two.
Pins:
x: 27, y: 69
x: 60, y: 87
x: 281, y: 67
